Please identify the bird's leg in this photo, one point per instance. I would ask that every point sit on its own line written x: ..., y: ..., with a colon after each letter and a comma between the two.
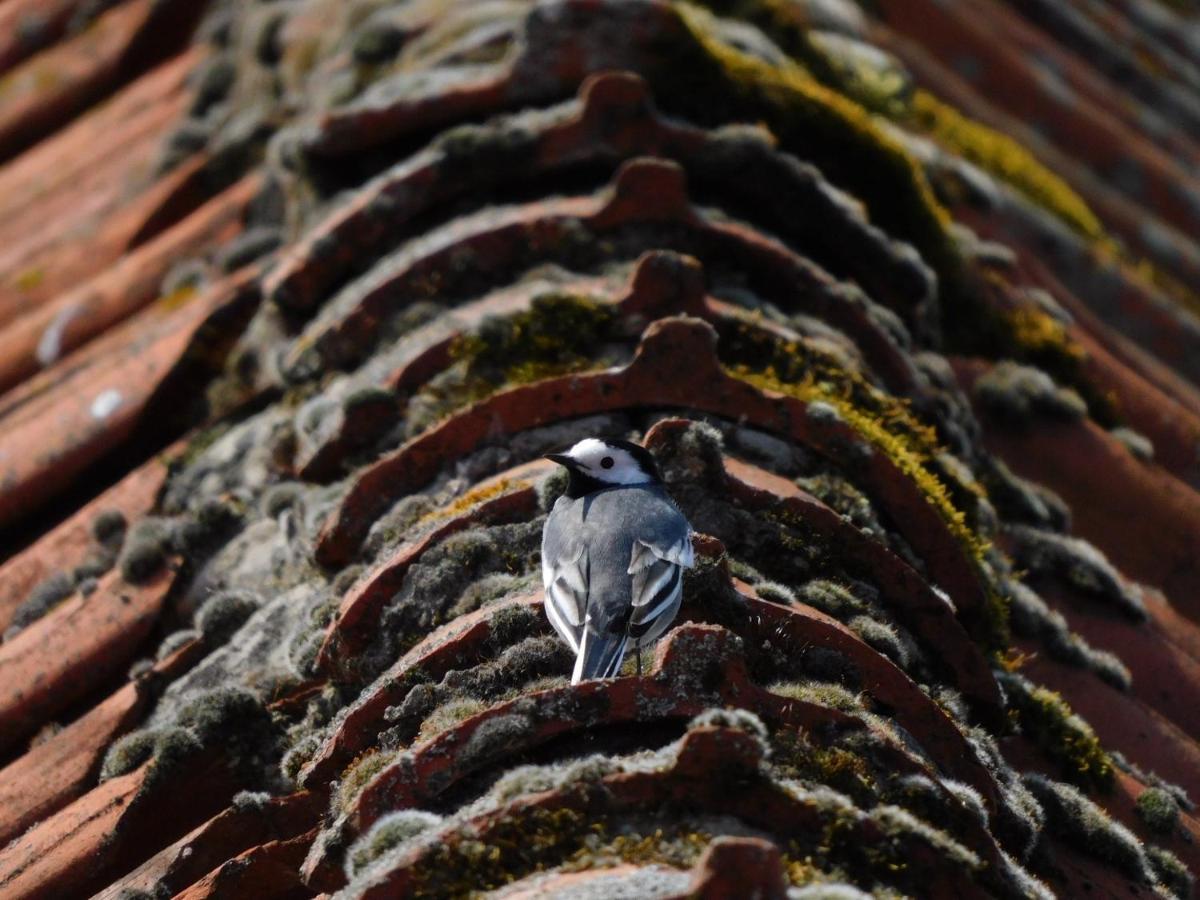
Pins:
x: 638, y: 652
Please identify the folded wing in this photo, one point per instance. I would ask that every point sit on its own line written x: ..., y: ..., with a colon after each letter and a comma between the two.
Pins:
x: 565, y: 582
x: 657, y: 573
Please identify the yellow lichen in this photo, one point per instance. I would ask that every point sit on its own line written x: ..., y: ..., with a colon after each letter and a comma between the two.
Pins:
x: 177, y: 298
x: 893, y: 431
x: 29, y: 279
x: 828, y: 127
x: 1046, y: 719
x: 470, y: 500
x: 1004, y: 158
x: 1038, y: 334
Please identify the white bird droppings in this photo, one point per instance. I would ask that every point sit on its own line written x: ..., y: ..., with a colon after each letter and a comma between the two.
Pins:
x: 49, y: 346
x: 106, y: 403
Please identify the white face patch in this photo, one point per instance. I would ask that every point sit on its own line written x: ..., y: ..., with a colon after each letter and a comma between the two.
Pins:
x: 612, y: 465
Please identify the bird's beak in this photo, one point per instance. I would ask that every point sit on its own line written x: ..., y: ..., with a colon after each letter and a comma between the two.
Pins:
x: 562, y: 459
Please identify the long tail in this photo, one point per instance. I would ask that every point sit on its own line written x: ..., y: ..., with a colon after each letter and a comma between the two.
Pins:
x: 600, y: 655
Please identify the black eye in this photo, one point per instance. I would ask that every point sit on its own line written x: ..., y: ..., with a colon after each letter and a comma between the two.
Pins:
x: 606, y: 463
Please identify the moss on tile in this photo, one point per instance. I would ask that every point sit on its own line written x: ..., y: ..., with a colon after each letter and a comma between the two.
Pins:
x: 888, y: 426
x: 1005, y: 158
x: 1158, y: 809
x: 724, y: 84
x: 559, y: 333
x: 1047, y: 720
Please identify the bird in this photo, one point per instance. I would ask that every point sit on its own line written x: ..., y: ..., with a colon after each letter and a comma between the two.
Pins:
x: 614, y: 548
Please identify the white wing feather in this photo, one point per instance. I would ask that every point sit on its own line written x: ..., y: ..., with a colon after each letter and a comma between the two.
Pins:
x: 565, y: 584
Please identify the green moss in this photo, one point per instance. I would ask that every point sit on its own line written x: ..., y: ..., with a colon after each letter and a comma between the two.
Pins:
x: 448, y: 715
x: 559, y: 333
x: 128, y: 753
x: 1158, y: 809
x: 833, y: 696
x: 525, y: 841
x: 108, y: 527
x: 359, y: 774
x: 679, y: 848
x: 795, y: 755
x: 29, y: 279
x: 1047, y: 719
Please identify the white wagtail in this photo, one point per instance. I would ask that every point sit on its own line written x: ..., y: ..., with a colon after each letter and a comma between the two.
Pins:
x: 613, y: 553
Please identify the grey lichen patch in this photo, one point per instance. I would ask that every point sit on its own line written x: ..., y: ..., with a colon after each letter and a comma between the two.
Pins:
x: 1032, y: 617
x: 240, y: 460
x: 1017, y: 393
x: 429, y: 709
x: 894, y: 821
x: 692, y: 456
x: 42, y: 597
x: 843, y: 497
x: 1086, y: 826
x: 1137, y: 444
x: 174, y: 641
x: 224, y: 613
x: 1078, y: 563
x: 145, y: 550
x: 435, y: 583
x: 1171, y: 872
x: 228, y: 719
x: 1021, y: 501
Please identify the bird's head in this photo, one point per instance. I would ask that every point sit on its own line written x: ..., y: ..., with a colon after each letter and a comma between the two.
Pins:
x: 595, y: 464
